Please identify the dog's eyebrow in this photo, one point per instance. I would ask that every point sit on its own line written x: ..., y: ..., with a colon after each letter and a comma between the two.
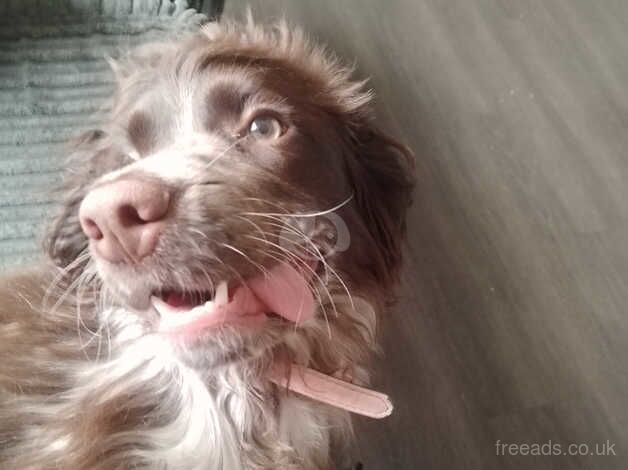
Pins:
x: 222, y: 101
x: 141, y: 132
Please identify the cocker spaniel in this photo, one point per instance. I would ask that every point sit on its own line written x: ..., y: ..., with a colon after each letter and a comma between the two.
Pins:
x: 225, y: 245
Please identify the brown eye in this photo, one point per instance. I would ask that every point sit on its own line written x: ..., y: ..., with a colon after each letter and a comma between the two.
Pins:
x: 265, y: 127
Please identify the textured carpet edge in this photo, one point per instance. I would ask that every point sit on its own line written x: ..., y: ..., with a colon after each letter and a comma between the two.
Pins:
x: 26, y: 204
x: 129, y: 17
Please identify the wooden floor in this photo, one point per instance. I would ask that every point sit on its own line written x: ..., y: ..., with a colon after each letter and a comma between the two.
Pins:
x: 513, y: 322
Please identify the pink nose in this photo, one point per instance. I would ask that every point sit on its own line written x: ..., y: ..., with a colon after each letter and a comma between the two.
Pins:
x: 124, y: 218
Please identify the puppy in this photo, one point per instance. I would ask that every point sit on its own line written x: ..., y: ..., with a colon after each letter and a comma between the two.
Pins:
x: 237, y: 218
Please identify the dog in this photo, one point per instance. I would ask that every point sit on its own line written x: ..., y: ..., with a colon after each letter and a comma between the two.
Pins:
x: 238, y: 217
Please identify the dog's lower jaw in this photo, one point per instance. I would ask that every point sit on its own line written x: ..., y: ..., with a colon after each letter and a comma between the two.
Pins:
x: 146, y: 408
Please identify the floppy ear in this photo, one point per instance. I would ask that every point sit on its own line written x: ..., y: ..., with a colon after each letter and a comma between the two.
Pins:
x: 382, y: 174
x: 64, y: 240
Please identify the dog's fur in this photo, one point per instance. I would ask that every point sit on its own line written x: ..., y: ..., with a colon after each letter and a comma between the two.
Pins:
x: 87, y: 383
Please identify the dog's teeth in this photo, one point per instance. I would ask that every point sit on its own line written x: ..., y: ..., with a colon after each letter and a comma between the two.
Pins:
x: 162, y: 307
x: 222, y: 294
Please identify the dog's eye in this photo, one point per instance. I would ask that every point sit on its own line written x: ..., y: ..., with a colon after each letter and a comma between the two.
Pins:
x: 265, y: 127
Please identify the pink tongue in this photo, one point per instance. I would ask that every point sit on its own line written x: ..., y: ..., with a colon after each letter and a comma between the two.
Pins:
x: 284, y: 291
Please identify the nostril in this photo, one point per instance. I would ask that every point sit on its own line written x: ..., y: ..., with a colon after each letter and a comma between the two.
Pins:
x: 129, y: 216
x: 124, y: 218
x: 91, y: 229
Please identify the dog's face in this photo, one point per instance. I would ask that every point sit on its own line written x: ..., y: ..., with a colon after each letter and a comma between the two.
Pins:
x: 230, y: 159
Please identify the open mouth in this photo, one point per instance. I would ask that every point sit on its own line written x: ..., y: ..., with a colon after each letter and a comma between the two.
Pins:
x: 178, y: 299
x: 283, y: 291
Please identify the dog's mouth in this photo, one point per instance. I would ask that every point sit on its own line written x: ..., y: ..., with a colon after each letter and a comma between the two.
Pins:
x: 282, y: 290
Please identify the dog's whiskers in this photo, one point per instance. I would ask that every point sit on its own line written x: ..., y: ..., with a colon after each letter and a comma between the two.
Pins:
x: 82, y: 257
x: 256, y: 226
x: 223, y: 152
x: 295, y: 259
x: 86, y: 278
x: 261, y: 268
x: 306, y: 214
x: 301, y: 262
x: 281, y: 257
x: 318, y: 254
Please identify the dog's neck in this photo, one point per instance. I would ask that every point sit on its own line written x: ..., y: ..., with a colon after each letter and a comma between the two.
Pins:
x: 230, y: 406
x: 211, y: 415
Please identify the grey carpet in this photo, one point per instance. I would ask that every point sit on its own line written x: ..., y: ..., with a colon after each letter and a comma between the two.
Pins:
x: 54, y: 83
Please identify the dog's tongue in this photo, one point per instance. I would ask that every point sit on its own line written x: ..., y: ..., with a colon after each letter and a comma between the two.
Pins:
x: 282, y: 290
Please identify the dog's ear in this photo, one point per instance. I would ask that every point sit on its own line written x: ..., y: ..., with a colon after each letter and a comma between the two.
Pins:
x: 382, y: 175
x: 64, y: 240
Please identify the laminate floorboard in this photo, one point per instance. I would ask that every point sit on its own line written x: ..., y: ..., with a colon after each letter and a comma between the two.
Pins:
x: 512, y: 320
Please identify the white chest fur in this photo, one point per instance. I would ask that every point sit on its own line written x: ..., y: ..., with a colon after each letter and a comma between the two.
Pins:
x: 229, y: 419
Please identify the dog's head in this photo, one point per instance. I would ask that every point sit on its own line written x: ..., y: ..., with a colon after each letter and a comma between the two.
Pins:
x: 239, y: 167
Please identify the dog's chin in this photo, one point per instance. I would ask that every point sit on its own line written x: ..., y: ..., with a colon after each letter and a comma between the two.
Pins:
x: 126, y: 289
x: 135, y: 299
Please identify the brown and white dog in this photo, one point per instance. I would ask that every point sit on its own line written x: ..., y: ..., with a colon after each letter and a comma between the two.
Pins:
x: 237, y: 211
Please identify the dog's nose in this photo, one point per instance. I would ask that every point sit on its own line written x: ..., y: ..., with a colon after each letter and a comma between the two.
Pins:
x: 124, y: 218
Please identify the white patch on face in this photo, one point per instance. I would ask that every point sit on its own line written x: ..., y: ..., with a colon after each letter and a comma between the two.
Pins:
x: 180, y: 160
x: 185, y: 124
x: 59, y: 444
x: 177, y: 162
x: 171, y: 164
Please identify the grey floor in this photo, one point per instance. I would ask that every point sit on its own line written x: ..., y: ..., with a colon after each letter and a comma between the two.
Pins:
x: 513, y: 323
